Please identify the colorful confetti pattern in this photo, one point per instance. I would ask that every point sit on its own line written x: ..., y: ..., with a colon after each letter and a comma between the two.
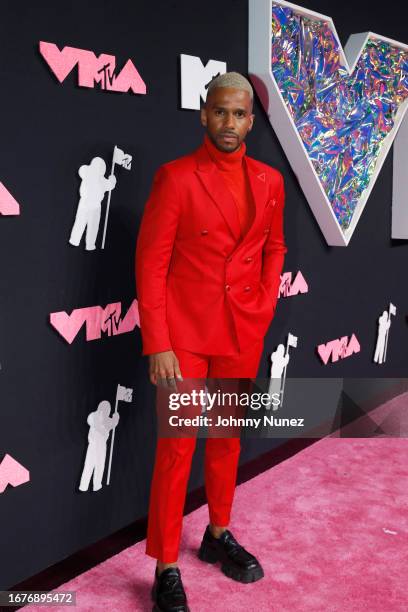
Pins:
x: 342, y: 119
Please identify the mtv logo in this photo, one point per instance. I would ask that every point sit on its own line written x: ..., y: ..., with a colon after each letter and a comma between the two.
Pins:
x: 12, y: 473
x: 97, y: 320
x: 195, y: 78
x: 338, y: 349
x: 92, y: 69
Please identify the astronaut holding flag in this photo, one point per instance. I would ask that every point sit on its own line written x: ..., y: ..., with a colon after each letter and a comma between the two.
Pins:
x: 384, y: 324
x: 280, y: 359
x: 92, y: 191
x: 100, y: 426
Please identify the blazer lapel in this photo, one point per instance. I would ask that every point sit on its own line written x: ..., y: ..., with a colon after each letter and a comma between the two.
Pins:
x: 217, y: 189
x: 260, y: 193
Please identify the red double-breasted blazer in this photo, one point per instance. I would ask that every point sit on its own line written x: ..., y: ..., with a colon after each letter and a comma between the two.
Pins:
x: 200, y: 286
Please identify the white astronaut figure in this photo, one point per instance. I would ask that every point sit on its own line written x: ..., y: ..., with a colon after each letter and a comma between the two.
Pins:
x: 100, y: 425
x: 93, y: 187
x: 279, y: 362
x: 384, y: 323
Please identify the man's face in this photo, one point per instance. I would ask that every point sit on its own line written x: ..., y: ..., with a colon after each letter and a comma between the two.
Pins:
x: 227, y: 116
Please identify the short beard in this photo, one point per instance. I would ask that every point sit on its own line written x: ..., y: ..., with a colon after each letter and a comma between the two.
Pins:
x: 222, y: 149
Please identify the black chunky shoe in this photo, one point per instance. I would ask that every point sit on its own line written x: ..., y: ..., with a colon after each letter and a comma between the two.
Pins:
x: 168, y: 592
x: 236, y: 562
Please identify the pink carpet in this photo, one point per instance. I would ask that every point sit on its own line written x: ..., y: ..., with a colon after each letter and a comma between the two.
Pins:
x: 330, y: 526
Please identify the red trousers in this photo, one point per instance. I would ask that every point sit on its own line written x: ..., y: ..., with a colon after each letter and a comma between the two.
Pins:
x: 174, y: 455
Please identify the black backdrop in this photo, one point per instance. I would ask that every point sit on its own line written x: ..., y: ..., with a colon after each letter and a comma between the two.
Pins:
x: 48, y: 387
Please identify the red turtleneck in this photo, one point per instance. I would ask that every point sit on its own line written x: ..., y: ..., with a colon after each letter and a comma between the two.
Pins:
x: 233, y: 171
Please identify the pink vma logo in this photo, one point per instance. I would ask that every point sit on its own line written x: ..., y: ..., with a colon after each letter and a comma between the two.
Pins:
x: 289, y: 287
x: 92, y: 69
x: 97, y: 320
x: 338, y: 349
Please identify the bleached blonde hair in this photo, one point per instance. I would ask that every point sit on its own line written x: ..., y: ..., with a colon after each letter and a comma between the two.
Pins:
x: 231, y: 79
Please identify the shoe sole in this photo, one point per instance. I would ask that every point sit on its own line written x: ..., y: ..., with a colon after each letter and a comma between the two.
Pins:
x: 210, y: 556
x: 244, y: 577
x: 156, y: 607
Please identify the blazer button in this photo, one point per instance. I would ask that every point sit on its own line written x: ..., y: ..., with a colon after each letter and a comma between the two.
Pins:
x: 248, y: 259
x: 266, y: 231
x: 248, y: 288
x: 227, y: 287
x: 228, y: 259
x: 204, y: 232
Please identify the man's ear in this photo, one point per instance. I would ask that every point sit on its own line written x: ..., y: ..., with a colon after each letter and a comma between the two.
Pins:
x: 203, y: 116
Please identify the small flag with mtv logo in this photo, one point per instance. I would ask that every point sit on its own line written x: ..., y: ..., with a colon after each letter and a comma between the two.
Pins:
x: 123, y: 394
x: 392, y: 309
x: 292, y: 340
x: 121, y: 158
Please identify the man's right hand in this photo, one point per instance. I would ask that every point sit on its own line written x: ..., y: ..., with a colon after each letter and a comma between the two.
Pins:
x: 164, y: 369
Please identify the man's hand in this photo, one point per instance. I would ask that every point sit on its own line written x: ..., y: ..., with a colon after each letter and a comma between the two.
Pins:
x: 164, y: 369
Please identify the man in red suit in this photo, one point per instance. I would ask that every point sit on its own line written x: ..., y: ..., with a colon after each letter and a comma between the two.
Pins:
x: 209, y: 255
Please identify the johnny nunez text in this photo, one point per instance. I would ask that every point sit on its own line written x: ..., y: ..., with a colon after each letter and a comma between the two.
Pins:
x: 205, y: 421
